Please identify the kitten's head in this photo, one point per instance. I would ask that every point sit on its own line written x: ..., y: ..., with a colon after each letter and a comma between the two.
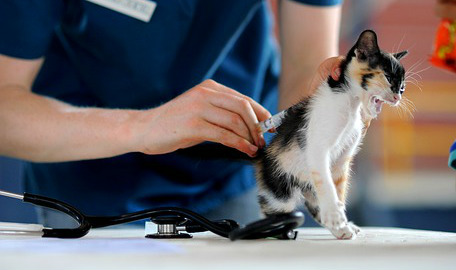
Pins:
x: 378, y: 75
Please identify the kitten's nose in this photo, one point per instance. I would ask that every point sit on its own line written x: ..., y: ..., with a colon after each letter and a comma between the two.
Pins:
x: 397, y: 98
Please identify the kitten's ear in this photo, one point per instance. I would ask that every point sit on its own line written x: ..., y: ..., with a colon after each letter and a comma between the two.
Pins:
x: 399, y: 55
x: 366, y: 45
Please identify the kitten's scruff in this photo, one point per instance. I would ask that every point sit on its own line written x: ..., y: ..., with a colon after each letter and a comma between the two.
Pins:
x: 309, y: 158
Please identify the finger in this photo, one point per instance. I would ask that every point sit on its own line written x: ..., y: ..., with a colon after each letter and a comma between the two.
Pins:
x: 243, y: 108
x: 228, y: 120
x: 335, y: 67
x: 261, y: 112
x: 214, y: 133
x: 335, y: 73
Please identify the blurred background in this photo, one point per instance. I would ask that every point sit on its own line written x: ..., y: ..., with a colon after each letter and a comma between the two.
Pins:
x: 401, y: 177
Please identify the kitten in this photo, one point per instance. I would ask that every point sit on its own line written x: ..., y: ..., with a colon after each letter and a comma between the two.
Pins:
x: 309, y: 157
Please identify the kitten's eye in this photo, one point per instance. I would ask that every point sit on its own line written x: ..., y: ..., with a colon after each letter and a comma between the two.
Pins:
x: 401, y: 91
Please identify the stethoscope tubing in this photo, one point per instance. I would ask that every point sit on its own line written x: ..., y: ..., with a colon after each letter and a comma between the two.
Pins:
x: 88, y: 222
x: 272, y: 226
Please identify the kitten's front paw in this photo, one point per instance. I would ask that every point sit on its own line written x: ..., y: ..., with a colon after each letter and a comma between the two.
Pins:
x: 334, y: 217
x: 345, y: 233
x: 349, y: 231
x: 355, y: 228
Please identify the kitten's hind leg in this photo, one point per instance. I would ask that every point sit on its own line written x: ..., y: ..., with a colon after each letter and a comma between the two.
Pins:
x: 271, y: 204
x: 311, y: 203
x: 278, y: 191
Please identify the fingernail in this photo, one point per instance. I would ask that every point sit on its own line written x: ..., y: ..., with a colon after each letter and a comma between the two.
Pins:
x: 337, y: 72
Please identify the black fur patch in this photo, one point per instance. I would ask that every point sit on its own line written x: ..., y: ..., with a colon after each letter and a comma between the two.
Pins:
x: 262, y: 200
x: 281, y: 185
x: 313, y: 210
x: 364, y: 80
x: 292, y: 123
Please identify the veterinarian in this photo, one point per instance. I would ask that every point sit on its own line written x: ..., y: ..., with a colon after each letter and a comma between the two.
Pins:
x: 97, y: 95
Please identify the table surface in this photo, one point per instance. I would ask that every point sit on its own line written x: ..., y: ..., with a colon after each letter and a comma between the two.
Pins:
x: 315, y: 248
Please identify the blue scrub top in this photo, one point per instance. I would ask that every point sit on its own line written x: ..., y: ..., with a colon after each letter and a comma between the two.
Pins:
x: 95, y: 56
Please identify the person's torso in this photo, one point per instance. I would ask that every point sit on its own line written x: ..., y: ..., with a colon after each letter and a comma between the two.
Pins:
x: 99, y: 57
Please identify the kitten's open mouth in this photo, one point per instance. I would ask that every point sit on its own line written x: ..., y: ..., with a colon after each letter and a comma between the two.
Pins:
x: 377, y: 103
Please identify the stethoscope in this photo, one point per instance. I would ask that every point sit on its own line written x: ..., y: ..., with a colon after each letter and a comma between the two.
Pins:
x: 172, y: 222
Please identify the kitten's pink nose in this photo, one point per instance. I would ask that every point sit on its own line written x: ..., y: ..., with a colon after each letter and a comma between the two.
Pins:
x: 396, y: 97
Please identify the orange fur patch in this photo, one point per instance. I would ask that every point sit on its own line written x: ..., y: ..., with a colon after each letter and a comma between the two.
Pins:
x: 359, y: 69
x: 317, y: 180
x: 366, y: 126
x: 341, y: 187
x: 341, y: 182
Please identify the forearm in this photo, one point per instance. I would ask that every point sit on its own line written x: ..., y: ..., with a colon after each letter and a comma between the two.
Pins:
x: 308, y: 35
x: 42, y: 129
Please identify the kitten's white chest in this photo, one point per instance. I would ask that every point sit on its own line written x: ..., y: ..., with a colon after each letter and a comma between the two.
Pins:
x: 350, y: 134
x: 337, y: 118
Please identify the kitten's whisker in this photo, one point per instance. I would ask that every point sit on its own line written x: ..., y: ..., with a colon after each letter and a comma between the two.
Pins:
x: 412, y: 80
x: 422, y: 70
x: 391, y: 61
x: 408, y: 102
x: 415, y: 78
x: 406, y: 107
x: 416, y: 64
x: 417, y: 85
x: 419, y: 71
x: 409, y: 107
x: 400, y: 43
x: 414, y: 74
x: 393, y: 49
x: 400, y: 112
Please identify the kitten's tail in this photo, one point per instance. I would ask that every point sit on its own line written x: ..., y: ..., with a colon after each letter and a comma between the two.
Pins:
x: 214, y: 151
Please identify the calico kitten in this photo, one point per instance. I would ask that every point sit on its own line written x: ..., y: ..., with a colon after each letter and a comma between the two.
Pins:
x: 309, y: 157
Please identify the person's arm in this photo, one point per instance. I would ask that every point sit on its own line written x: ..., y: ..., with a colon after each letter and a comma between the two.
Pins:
x: 308, y: 35
x: 42, y: 129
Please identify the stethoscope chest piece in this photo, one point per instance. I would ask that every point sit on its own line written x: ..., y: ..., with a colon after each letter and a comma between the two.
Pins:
x: 166, y: 227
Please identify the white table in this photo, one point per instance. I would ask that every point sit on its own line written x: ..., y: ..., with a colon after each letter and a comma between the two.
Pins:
x: 315, y: 248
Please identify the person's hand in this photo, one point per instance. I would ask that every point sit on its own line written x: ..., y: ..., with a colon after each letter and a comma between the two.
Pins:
x: 207, y: 112
x: 329, y: 67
